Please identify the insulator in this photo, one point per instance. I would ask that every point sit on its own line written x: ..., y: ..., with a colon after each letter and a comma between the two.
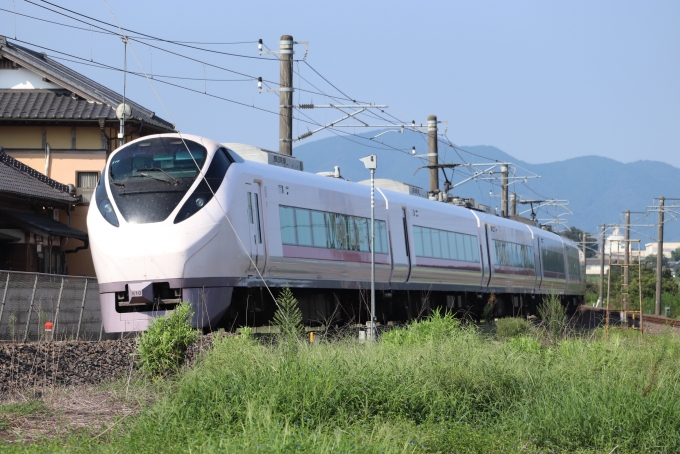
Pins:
x: 305, y: 135
x: 306, y: 106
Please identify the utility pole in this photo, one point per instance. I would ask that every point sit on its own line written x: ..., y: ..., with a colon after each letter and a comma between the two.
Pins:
x: 513, y: 204
x: 659, y: 258
x: 584, y: 238
x: 433, y: 155
x: 371, y: 163
x: 626, y: 262
x: 286, y: 96
x: 504, y: 190
x: 600, y: 300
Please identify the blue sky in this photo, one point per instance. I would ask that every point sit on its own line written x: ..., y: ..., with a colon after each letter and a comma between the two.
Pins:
x: 543, y: 81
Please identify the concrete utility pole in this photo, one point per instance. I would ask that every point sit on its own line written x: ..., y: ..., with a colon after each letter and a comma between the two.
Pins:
x: 286, y: 96
x: 584, y: 238
x: 433, y: 154
x: 659, y: 258
x: 513, y: 205
x: 504, y: 190
x: 600, y: 300
x: 626, y: 261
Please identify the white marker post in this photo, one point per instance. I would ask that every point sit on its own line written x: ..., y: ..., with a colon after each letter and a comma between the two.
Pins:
x: 371, y: 163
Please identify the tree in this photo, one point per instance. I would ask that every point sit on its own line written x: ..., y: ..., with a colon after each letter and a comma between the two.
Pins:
x: 675, y: 255
x: 576, y: 235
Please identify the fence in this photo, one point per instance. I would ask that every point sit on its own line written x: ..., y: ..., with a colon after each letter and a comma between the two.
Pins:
x: 28, y: 300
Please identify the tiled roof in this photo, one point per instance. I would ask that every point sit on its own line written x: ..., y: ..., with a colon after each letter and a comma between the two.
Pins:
x: 43, y: 223
x: 52, y: 105
x: 19, y: 179
x: 73, y: 82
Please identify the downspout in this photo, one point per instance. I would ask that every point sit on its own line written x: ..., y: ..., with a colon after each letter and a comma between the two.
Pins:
x: 47, y: 159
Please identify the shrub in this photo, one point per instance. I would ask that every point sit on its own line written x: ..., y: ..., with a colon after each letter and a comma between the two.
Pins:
x: 162, y: 346
x: 434, y: 328
x: 512, y: 327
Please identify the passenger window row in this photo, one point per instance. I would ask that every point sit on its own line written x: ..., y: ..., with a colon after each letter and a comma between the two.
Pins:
x: 513, y: 254
x: 441, y: 244
x: 302, y: 227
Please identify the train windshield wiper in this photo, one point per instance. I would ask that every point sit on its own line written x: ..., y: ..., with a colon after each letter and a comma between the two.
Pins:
x: 158, y: 169
x: 146, y: 175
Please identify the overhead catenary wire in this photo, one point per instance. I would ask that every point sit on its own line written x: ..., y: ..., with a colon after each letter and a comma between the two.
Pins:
x: 116, y: 34
x: 141, y: 35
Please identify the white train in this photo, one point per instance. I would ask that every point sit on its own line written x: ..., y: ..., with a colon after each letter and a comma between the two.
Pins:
x: 159, y: 237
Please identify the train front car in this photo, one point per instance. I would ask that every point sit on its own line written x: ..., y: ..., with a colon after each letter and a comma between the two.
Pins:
x: 157, y: 231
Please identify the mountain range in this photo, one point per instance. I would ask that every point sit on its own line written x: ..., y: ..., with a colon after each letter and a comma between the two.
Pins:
x: 598, y: 189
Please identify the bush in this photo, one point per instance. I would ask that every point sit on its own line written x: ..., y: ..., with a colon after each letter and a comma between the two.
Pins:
x: 434, y: 328
x: 512, y: 327
x: 162, y: 346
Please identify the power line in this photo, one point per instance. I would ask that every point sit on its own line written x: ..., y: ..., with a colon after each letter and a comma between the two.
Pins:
x: 116, y: 34
x: 231, y: 54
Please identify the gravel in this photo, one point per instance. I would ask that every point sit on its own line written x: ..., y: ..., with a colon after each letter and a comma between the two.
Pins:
x: 69, y: 363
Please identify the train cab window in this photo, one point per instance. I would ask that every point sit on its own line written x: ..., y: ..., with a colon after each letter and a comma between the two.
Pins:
x: 208, y: 186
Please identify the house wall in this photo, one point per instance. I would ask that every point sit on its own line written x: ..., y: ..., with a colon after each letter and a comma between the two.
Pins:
x: 25, y: 143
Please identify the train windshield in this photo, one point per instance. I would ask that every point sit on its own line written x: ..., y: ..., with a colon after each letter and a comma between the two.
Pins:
x: 160, y: 157
x: 149, y: 178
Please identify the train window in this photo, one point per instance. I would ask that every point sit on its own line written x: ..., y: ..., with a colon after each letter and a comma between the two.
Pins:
x: 208, y: 186
x: 249, y: 196
x: 363, y: 234
x: 460, y: 246
x: 445, y: 245
x: 303, y: 227
x: 552, y: 261
x: 444, y: 240
x: 381, y: 232
x: 287, y: 216
x: 319, y: 229
x: 436, y: 244
x: 330, y: 230
x: 427, y: 242
x: 453, y: 254
x: 513, y: 254
x: 418, y: 240
x: 257, y: 219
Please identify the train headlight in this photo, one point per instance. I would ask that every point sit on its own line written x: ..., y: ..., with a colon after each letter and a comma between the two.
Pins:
x: 200, y: 201
x: 104, y: 204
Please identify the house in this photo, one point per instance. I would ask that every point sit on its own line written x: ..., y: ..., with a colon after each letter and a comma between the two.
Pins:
x: 31, y: 204
x: 63, y: 125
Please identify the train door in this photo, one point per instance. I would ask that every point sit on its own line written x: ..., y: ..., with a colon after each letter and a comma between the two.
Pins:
x: 255, y: 227
x: 408, y: 246
x: 486, y: 267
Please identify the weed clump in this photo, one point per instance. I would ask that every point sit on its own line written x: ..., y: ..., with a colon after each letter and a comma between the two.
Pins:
x: 162, y: 346
x: 288, y: 318
x: 512, y: 327
x: 435, y: 328
x: 554, y: 316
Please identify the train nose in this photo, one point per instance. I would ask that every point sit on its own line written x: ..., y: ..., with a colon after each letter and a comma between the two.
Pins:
x: 151, y: 253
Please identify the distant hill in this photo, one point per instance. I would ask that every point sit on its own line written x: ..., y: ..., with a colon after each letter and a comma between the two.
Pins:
x: 598, y: 188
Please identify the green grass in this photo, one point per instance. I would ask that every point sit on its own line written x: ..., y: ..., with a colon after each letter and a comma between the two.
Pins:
x: 441, y: 387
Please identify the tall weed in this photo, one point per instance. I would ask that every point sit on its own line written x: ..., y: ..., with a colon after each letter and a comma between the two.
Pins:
x: 162, y: 346
x: 435, y: 328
